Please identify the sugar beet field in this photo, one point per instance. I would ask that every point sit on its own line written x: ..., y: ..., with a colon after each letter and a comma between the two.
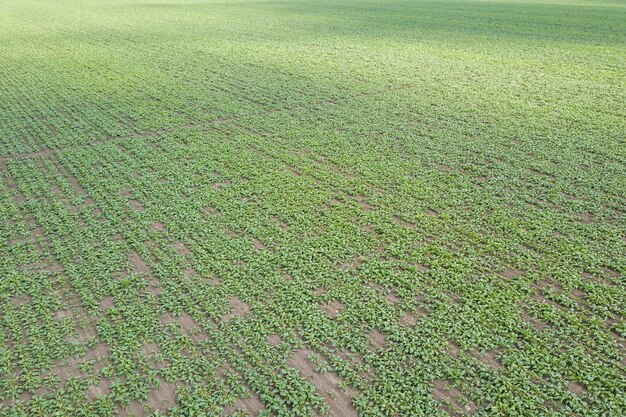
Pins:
x: 312, y: 208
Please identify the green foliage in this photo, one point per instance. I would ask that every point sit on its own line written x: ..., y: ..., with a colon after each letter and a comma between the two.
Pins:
x: 299, y: 208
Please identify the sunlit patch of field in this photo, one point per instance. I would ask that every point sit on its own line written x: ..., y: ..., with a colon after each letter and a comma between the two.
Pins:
x: 298, y: 208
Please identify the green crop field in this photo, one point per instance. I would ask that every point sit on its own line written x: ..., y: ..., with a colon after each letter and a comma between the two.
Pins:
x: 312, y: 208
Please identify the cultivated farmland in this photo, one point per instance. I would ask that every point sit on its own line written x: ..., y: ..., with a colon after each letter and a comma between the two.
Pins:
x: 312, y: 208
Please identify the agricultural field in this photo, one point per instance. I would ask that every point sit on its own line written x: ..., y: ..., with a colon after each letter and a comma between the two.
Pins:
x: 312, y: 208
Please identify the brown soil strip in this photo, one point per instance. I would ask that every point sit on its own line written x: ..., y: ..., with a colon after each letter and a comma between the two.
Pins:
x: 377, y: 340
x: 180, y: 248
x: 218, y: 185
x: 403, y: 223
x: 510, y: 273
x: 157, y: 226
x: 238, y: 308
x: 392, y: 298
x: 576, y: 388
x: 332, y: 309
x: 326, y: 384
x: 488, y: 358
x: 106, y: 303
x: 138, y: 264
x: 251, y: 405
x: 135, y: 204
x: 293, y: 171
x: 188, y: 324
x: 273, y: 340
